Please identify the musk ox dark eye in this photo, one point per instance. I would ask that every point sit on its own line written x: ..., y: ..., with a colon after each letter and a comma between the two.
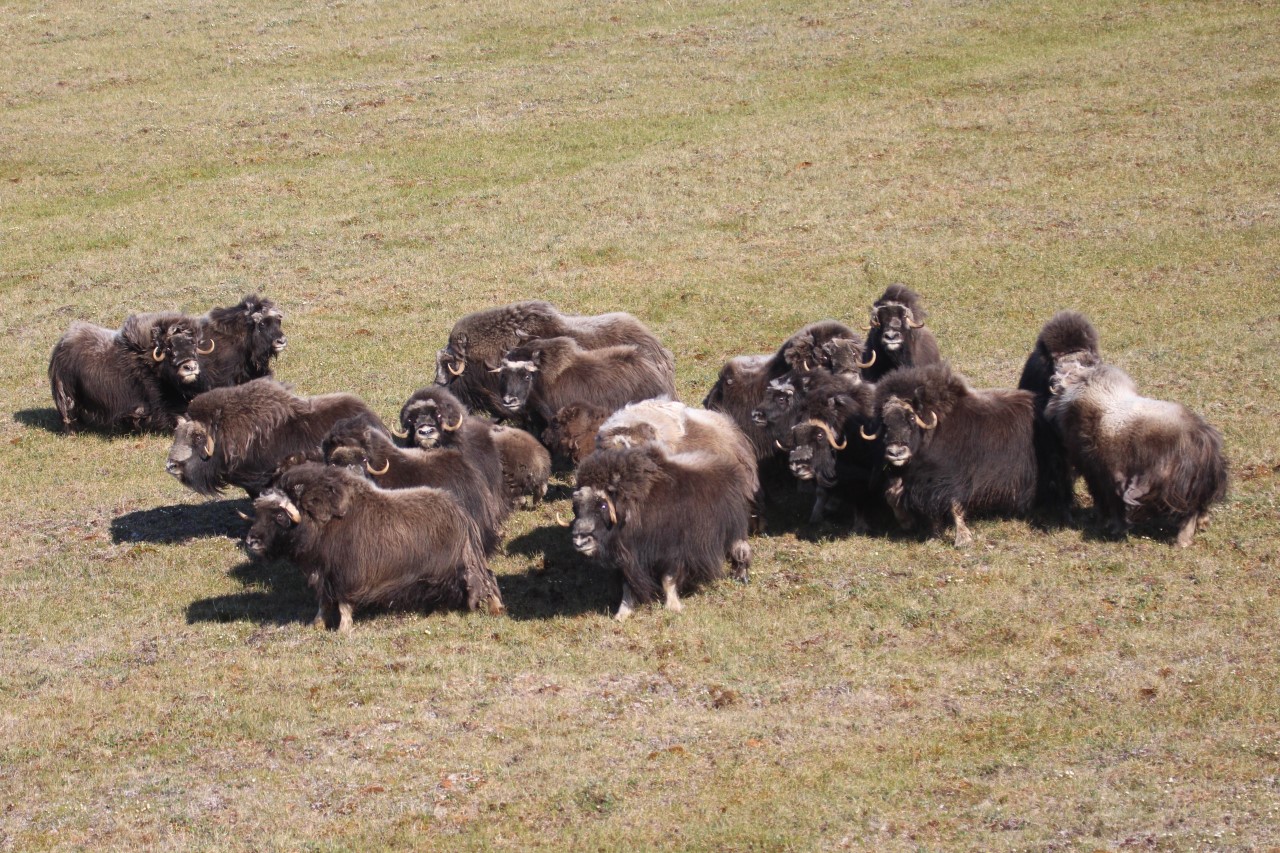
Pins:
x: 282, y: 518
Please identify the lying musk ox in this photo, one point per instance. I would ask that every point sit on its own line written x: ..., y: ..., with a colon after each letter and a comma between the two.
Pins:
x: 951, y: 451
x: 433, y: 417
x: 238, y: 436
x: 666, y: 521
x: 139, y: 378
x: 544, y: 375
x: 897, y: 336
x: 479, y: 340
x: 361, y: 546
x: 241, y: 340
x: 362, y: 445
x: 1142, y: 459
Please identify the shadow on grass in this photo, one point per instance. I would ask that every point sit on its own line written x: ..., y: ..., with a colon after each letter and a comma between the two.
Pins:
x: 168, y: 525
x: 559, y: 580
x: 46, y: 419
x: 280, y: 596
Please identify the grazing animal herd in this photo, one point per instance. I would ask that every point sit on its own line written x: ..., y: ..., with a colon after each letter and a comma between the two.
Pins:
x: 666, y: 494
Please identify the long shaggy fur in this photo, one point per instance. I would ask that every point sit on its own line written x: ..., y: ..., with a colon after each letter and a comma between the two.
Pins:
x: 479, y: 340
x: 680, y: 515
x: 361, y: 445
x: 245, y: 338
x: 826, y: 437
x: 253, y: 427
x: 571, y: 433
x: 1142, y: 459
x: 112, y: 381
x: 979, y: 457
x: 892, y: 319
x: 362, y: 546
x: 737, y: 391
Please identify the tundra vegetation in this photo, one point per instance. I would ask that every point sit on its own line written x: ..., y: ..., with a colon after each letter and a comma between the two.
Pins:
x: 727, y: 173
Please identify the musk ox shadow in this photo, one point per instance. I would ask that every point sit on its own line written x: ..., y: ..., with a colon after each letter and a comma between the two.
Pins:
x: 169, y: 525
x: 275, y: 594
x: 559, y: 581
x: 46, y: 419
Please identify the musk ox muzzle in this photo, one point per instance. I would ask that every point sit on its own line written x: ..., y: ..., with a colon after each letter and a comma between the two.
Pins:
x: 189, y: 371
x: 897, y: 454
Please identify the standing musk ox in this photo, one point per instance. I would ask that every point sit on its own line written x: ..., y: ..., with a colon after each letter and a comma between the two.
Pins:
x: 362, y: 546
x: 362, y: 445
x: 896, y: 336
x: 1142, y: 459
x: 238, y: 436
x: 824, y: 446
x: 951, y: 451
x: 544, y: 375
x: 139, y: 378
x: 242, y: 340
x: 478, y: 342
x: 1068, y: 336
x: 668, y: 522
x: 433, y: 417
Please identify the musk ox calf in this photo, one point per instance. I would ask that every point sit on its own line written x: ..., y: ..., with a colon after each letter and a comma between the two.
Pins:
x: 241, y: 341
x: 433, y: 417
x: 668, y: 522
x: 1142, y: 459
x: 238, y: 436
x: 897, y: 336
x: 361, y: 444
x: 1068, y: 336
x: 951, y: 451
x: 362, y: 546
x: 140, y: 378
x: 478, y: 342
x: 541, y: 377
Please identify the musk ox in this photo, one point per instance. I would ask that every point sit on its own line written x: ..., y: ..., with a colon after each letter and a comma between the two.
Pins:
x: 951, y: 451
x: 542, y: 376
x: 433, y: 417
x: 1067, y: 336
x: 1142, y: 459
x: 141, y: 377
x: 478, y: 342
x: 666, y: 521
x: 571, y: 433
x: 238, y: 436
x: 242, y: 340
x: 361, y: 546
x: 897, y: 336
x: 829, y: 445
x: 362, y: 445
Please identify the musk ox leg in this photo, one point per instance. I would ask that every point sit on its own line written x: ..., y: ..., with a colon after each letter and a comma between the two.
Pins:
x: 964, y: 538
x: 673, y: 593
x: 893, y: 497
x: 345, y: 622
x: 819, y: 506
x: 740, y: 561
x: 1187, y: 533
x: 628, y: 605
x: 482, y: 590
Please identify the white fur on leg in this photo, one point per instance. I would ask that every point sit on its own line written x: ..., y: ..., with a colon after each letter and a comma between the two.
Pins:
x: 673, y: 596
x: 963, y: 537
x: 1187, y: 533
x: 345, y: 623
x: 628, y: 605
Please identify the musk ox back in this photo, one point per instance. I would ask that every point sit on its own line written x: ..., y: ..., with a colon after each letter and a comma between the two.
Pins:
x: 571, y: 433
x: 238, y: 436
x: 241, y: 340
x: 361, y: 546
x: 897, y: 336
x: 951, y: 451
x: 1142, y: 459
x: 667, y: 522
x: 737, y: 391
x: 478, y: 342
x: 139, y: 378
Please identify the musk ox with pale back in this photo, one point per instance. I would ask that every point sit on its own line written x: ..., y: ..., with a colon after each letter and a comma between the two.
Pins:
x: 1141, y: 459
x: 138, y: 379
x: 361, y: 546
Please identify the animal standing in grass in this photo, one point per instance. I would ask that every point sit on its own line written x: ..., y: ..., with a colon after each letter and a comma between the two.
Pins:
x: 241, y: 341
x: 896, y: 335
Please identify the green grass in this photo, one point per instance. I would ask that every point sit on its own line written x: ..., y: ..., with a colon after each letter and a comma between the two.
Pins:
x: 727, y: 172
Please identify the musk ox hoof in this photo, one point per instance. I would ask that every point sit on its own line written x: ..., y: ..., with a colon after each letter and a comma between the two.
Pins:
x: 1187, y: 533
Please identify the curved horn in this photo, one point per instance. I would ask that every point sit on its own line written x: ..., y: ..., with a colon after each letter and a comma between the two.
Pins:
x: 212, y: 345
x: 778, y: 444
x: 208, y: 445
x: 287, y: 506
x: 561, y: 522
x: 806, y: 365
x: 242, y: 515
x: 444, y: 425
x: 459, y: 371
x: 399, y: 433
x: 862, y: 366
x: 386, y: 466
x: 613, y: 515
x: 862, y: 431
x: 924, y: 425
x: 156, y: 355
x: 493, y: 370
x: 830, y: 434
x: 911, y: 320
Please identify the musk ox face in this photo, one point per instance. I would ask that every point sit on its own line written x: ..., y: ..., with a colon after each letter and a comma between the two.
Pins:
x: 895, y: 322
x: 843, y: 357
x: 594, y: 516
x: 779, y: 398
x: 176, y: 351
x: 905, y: 430
x: 268, y: 329
x: 519, y: 367
x: 350, y: 445
x: 430, y: 421
x: 813, y: 454
x: 191, y: 457
x: 274, y: 515
x: 449, y: 366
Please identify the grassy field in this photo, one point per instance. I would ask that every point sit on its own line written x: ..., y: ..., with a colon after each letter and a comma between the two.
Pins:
x: 727, y: 171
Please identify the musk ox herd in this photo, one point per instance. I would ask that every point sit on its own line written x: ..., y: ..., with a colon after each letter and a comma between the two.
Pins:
x: 884, y: 433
